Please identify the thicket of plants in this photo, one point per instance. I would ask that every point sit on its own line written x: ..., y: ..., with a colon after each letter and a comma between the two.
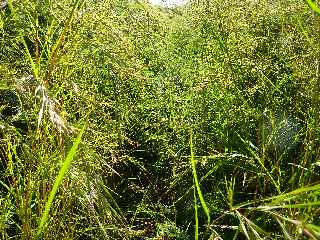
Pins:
x: 122, y: 120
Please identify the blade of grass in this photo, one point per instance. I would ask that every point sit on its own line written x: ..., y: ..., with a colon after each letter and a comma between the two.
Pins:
x: 307, y: 229
x: 256, y: 157
x: 53, y: 52
x: 13, y: 11
x: 35, y: 67
x: 299, y: 205
x: 313, y: 6
x: 284, y: 197
x: 65, y: 166
x: 196, y: 232
x: 315, y: 229
x: 194, y: 170
x: 284, y: 230
x: 256, y: 229
x: 243, y: 227
x: 62, y: 35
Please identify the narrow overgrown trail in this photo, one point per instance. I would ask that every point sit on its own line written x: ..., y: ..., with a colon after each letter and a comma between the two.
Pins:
x: 124, y: 120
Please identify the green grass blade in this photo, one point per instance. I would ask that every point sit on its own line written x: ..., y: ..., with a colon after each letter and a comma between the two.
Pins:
x: 196, y: 231
x: 13, y: 11
x: 314, y: 228
x: 35, y: 67
x: 298, y: 205
x: 62, y: 35
x: 284, y: 230
x: 312, y: 231
x: 284, y: 197
x: 256, y: 229
x: 242, y: 225
x: 313, y: 6
x: 257, y: 158
x: 294, y: 193
x: 194, y: 170
x: 65, y: 166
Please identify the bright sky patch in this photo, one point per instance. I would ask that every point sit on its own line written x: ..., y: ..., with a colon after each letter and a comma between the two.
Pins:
x: 168, y: 3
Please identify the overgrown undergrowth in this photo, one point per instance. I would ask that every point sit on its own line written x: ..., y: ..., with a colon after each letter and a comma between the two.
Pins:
x: 202, y: 121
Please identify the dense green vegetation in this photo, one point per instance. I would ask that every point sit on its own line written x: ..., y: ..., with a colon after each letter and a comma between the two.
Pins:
x: 123, y: 120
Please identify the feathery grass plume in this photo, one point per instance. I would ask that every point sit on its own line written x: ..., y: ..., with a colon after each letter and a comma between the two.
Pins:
x: 48, y: 105
x: 3, y: 4
x: 42, y: 94
x: 26, y: 84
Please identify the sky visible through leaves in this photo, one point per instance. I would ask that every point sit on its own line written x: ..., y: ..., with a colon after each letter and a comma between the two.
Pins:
x: 168, y: 3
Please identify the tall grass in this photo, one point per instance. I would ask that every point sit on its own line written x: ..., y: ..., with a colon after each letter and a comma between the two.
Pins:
x: 196, y: 182
x: 64, y: 168
x: 243, y: 76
